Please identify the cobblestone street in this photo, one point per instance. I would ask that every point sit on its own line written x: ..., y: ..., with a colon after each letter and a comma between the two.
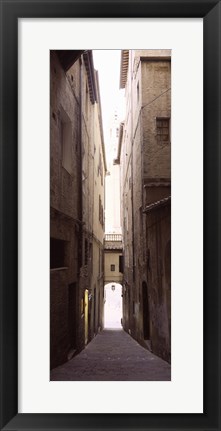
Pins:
x: 113, y: 355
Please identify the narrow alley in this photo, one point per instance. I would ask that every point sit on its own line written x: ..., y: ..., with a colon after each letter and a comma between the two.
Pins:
x: 113, y: 355
x: 110, y: 215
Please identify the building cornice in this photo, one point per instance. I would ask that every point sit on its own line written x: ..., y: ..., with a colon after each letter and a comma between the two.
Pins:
x: 124, y: 67
x: 100, y: 120
x: 89, y: 64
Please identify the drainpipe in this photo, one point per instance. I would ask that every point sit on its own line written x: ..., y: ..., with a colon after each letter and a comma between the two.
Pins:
x: 80, y: 257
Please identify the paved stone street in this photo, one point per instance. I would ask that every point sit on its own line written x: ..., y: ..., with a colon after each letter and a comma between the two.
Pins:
x: 113, y: 355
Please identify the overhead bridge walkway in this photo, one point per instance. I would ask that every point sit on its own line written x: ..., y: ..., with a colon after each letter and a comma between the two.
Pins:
x: 113, y: 258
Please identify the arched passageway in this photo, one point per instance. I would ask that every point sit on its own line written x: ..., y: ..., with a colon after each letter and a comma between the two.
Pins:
x: 112, y: 306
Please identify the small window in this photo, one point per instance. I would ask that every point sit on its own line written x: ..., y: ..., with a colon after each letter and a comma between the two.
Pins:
x: 127, y: 220
x: 101, y: 261
x: 112, y: 267
x: 163, y: 130
x: 133, y: 307
x: 138, y: 92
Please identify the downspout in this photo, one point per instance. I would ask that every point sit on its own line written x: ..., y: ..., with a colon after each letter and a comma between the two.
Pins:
x: 80, y: 257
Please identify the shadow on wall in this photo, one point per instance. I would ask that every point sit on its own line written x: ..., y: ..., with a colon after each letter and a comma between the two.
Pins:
x: 113, y: 306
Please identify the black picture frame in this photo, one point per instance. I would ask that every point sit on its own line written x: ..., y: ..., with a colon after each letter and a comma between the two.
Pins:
x: 210, y: 11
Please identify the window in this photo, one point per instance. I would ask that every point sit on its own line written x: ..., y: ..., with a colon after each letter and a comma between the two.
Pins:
x: 100, y: 169
x: 133, y: 307
x: 58, y: 253
x: 163, y: 130
x: 112, y: 267
x: 66, y: 141
x: 85, y: 251
x: 121, y: 264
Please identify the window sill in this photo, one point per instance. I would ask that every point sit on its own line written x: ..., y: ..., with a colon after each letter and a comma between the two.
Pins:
x: 59, y: 269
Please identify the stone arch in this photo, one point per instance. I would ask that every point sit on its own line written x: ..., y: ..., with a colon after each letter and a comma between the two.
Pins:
x: 112, y: 305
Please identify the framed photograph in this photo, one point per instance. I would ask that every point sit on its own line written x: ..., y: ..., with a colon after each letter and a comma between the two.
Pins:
x: 49, y: 59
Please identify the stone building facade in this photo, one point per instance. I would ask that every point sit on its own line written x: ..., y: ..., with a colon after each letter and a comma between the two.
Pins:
x: 144, y: 154
x: 77, y: 170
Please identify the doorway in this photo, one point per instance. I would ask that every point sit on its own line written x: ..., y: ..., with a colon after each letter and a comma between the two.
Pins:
x: 146, y: 316
x: 72, y: 315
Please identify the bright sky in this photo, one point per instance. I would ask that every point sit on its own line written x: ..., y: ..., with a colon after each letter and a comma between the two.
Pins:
x: 107, y: 62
